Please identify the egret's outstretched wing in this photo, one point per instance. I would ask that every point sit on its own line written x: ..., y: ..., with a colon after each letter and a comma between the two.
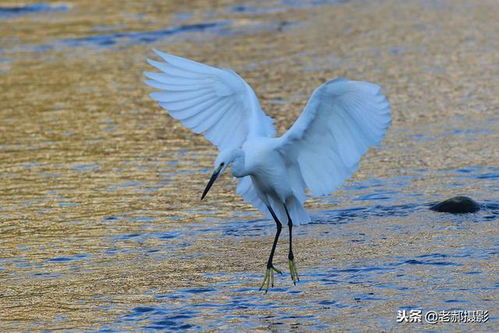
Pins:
x: 215, y: 102
x: 340, y: 122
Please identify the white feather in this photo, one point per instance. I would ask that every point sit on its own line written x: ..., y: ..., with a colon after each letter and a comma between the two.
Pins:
x: 185, y: 85
x: 340, y: 122
x: 212, y: 101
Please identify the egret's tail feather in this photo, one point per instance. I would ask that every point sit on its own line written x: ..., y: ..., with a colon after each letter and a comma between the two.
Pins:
x: 247, y: 190
x: 278, y: 210
x: 299, y: 215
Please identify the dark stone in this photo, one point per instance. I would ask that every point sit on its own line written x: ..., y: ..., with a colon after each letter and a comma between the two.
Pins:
x: 457, y: 205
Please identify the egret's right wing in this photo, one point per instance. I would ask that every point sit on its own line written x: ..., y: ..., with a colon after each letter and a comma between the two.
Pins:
x: 340, y: 122
x: 215, y: 102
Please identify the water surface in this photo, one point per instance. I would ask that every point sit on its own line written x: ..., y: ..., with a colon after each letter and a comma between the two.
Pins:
x: 101, y: 227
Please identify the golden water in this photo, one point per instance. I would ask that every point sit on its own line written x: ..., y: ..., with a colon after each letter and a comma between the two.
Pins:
x: 100, y: 220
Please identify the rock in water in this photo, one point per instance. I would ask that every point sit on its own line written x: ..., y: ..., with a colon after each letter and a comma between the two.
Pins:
x: 457, y: 205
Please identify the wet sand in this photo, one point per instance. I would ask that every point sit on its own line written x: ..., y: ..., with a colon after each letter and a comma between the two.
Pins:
x: 100, y: 222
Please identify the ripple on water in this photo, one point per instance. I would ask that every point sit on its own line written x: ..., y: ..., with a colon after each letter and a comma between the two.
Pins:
x: 477, y: 172
x: 197, y: 290
x: 157, y: 318
x: 377, y: 196
x: 70, y: 258
x: 112, y: 218
x: 428, y: 262
x: 217, y: 28
x: 86, y: 167
x: 340, y: 216
x: 140, y: 36
x: 14, y: 11
x: 253, y: 9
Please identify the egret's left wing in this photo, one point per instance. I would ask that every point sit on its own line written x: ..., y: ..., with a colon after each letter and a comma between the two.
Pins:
x: 342, y: 119
x: 215, y: 102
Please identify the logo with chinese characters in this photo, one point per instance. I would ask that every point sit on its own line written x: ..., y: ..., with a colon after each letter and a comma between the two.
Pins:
x: 443, y: 316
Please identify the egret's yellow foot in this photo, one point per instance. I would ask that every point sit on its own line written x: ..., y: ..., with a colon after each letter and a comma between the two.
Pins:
x: 293, y: 271
x: 268, y: 280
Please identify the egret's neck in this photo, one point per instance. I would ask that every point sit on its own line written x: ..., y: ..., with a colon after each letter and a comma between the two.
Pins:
x: 238, y: 166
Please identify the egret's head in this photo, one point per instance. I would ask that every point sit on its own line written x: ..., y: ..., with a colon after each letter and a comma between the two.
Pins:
x: 223, y: 160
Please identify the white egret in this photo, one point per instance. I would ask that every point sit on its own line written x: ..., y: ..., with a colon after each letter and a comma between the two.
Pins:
x: 342, y: 119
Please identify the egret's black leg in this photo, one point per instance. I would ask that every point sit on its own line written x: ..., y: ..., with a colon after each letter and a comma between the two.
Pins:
x: 291, y: 257
x: 269, y: 274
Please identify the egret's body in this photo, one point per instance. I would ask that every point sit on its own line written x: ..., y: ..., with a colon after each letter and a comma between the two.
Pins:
x: 266, y: 168
x: 322, y: 149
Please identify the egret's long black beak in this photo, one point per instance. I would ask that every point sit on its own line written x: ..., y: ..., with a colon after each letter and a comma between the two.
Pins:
x: 212, y: 180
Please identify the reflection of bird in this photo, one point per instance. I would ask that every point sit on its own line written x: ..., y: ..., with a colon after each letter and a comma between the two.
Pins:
x: 322, y: 149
